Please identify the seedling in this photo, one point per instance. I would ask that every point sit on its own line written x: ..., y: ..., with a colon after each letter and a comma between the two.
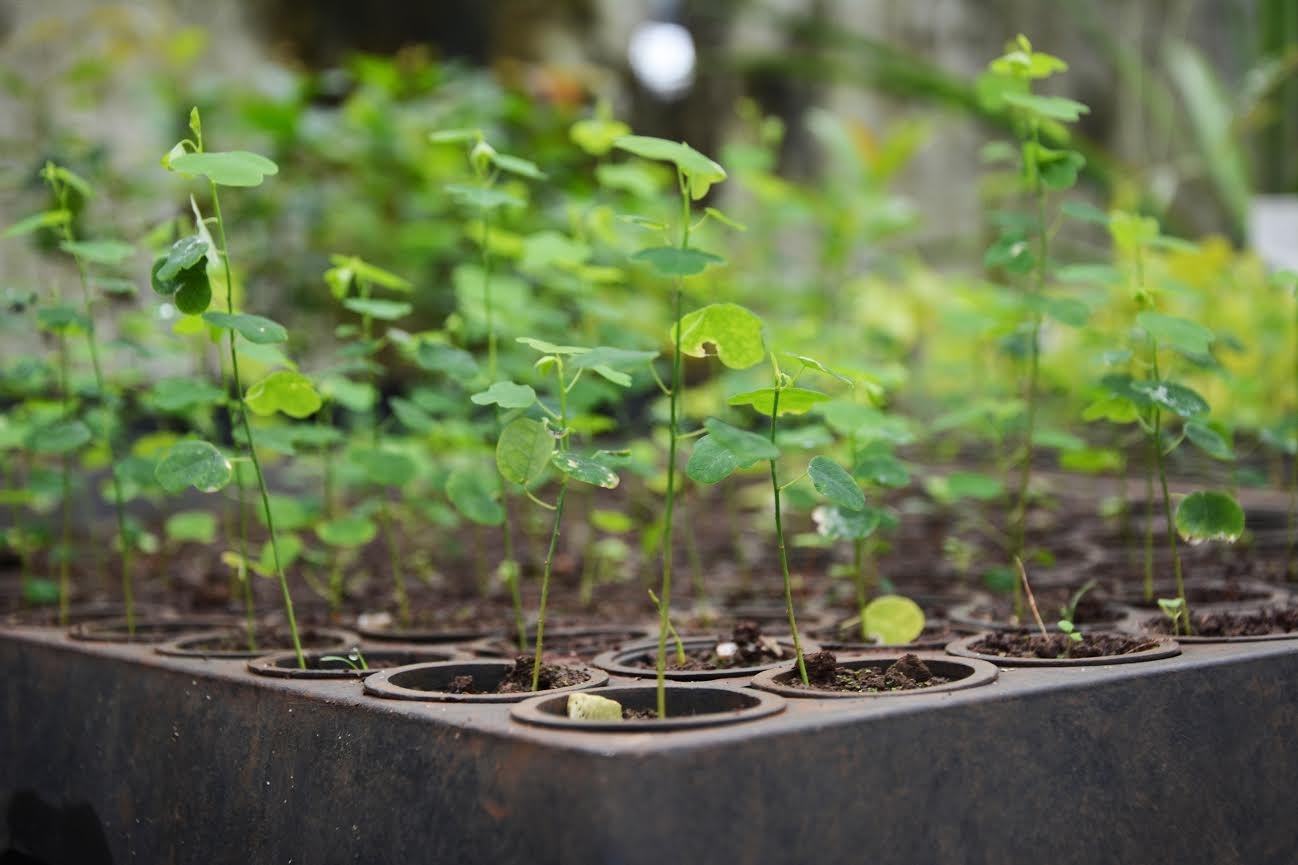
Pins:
x: 726, y: 449
x: 182, y: 273
x: 695, y: 175
x: 354, y: 659
x: 1149, y: 398
x: 1024, y: 245
x: 1068, y: 613
x: 528, y: 447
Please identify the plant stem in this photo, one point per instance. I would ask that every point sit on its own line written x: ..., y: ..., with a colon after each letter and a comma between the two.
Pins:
x: 673, y: 432
x: 1149, y: 533
x: 858, y: 569
x: 65, y: 530
x: 779, y: 538
x: 545, y: 580
x: 511, y: 569
x: 247, y: 431
x: 110, y: 439
x: 1019, y: 533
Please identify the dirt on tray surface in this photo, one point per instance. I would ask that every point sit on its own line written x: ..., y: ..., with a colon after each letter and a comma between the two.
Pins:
x: 519, y: 679
x: 1058, y: 646
x: 1255, y: 623
x: 266, y: 640
x: 907, y: 673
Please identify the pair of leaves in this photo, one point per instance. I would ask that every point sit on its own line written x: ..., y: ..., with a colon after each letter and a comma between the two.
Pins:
x: 181, y: 274
x: 526, y: 448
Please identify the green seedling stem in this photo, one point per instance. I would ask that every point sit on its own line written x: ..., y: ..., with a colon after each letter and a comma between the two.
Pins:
x: 60, y: 190
x: 673, y: 434
x: 241, y: 408
x: 779, y: 530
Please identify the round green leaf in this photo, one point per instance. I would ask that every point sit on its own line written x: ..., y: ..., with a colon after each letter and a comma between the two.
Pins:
x: 193, y: 463
x: 710, y: 462
x: 98, y: 251
x: 385, y: 468
x: 60, y: 438
x: 1208, y: 440
x: 584, y: 469
x: 197, y: 527
x: 523, y: 450
x: 284, y: 391
x: 1209, y: 515
x: 253, y: 328
x: 347, y: 532
x: 184, y: 254
x: 230, y: 168
x: 834, y: 483
x: 474, y: 495
x: 893, y: 620
x: 383, y: 310
x: 734, y: 333
x: 39, y: 591
x: 747, y: 447
x: 194, y: 294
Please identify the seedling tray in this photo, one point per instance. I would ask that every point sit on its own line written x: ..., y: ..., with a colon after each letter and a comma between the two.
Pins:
x: 137, y: 757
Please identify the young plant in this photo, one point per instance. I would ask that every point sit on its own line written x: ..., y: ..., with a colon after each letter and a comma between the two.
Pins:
x: 1023, y: 247
x: 352, y: 282
x: 487, y: 199
x: 678, y: 260
x: 182, y: 273
x: 1149, y: 398
x: 726, y: 449
x: 528, y: 448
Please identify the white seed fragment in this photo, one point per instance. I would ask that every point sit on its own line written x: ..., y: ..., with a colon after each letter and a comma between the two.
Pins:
x: 592, y: 707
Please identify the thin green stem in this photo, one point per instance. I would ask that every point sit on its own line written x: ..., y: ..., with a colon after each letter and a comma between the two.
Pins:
x: 858, y: 569
x: 1171, y: 526
x: 673, y: 429
x: 65, y: 529
x: 779, y: 538
x: 511, y: 569
x: 248, y: 435
x: 554, y: 530
x: 110, y: 439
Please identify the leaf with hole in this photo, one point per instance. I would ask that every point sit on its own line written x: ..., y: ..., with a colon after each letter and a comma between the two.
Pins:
x: 733, y: 332
x: 193, y: 463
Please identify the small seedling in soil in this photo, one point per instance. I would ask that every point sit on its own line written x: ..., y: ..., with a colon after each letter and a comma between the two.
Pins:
x: 677, y: 260
x: 528, y: 448
x: 1024, y: 245
x: 354, y: 659
x: 182, y: 273
x: 1069, y: 612
x: 726, y: 449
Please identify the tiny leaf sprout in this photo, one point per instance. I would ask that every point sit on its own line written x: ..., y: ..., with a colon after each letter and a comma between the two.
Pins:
x: 1175, y: 609
x: 354, y: 659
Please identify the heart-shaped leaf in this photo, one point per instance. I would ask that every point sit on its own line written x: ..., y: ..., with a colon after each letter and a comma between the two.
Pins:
x: 284, y: 391
x: 229, y: 168
x: 193, y: 463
